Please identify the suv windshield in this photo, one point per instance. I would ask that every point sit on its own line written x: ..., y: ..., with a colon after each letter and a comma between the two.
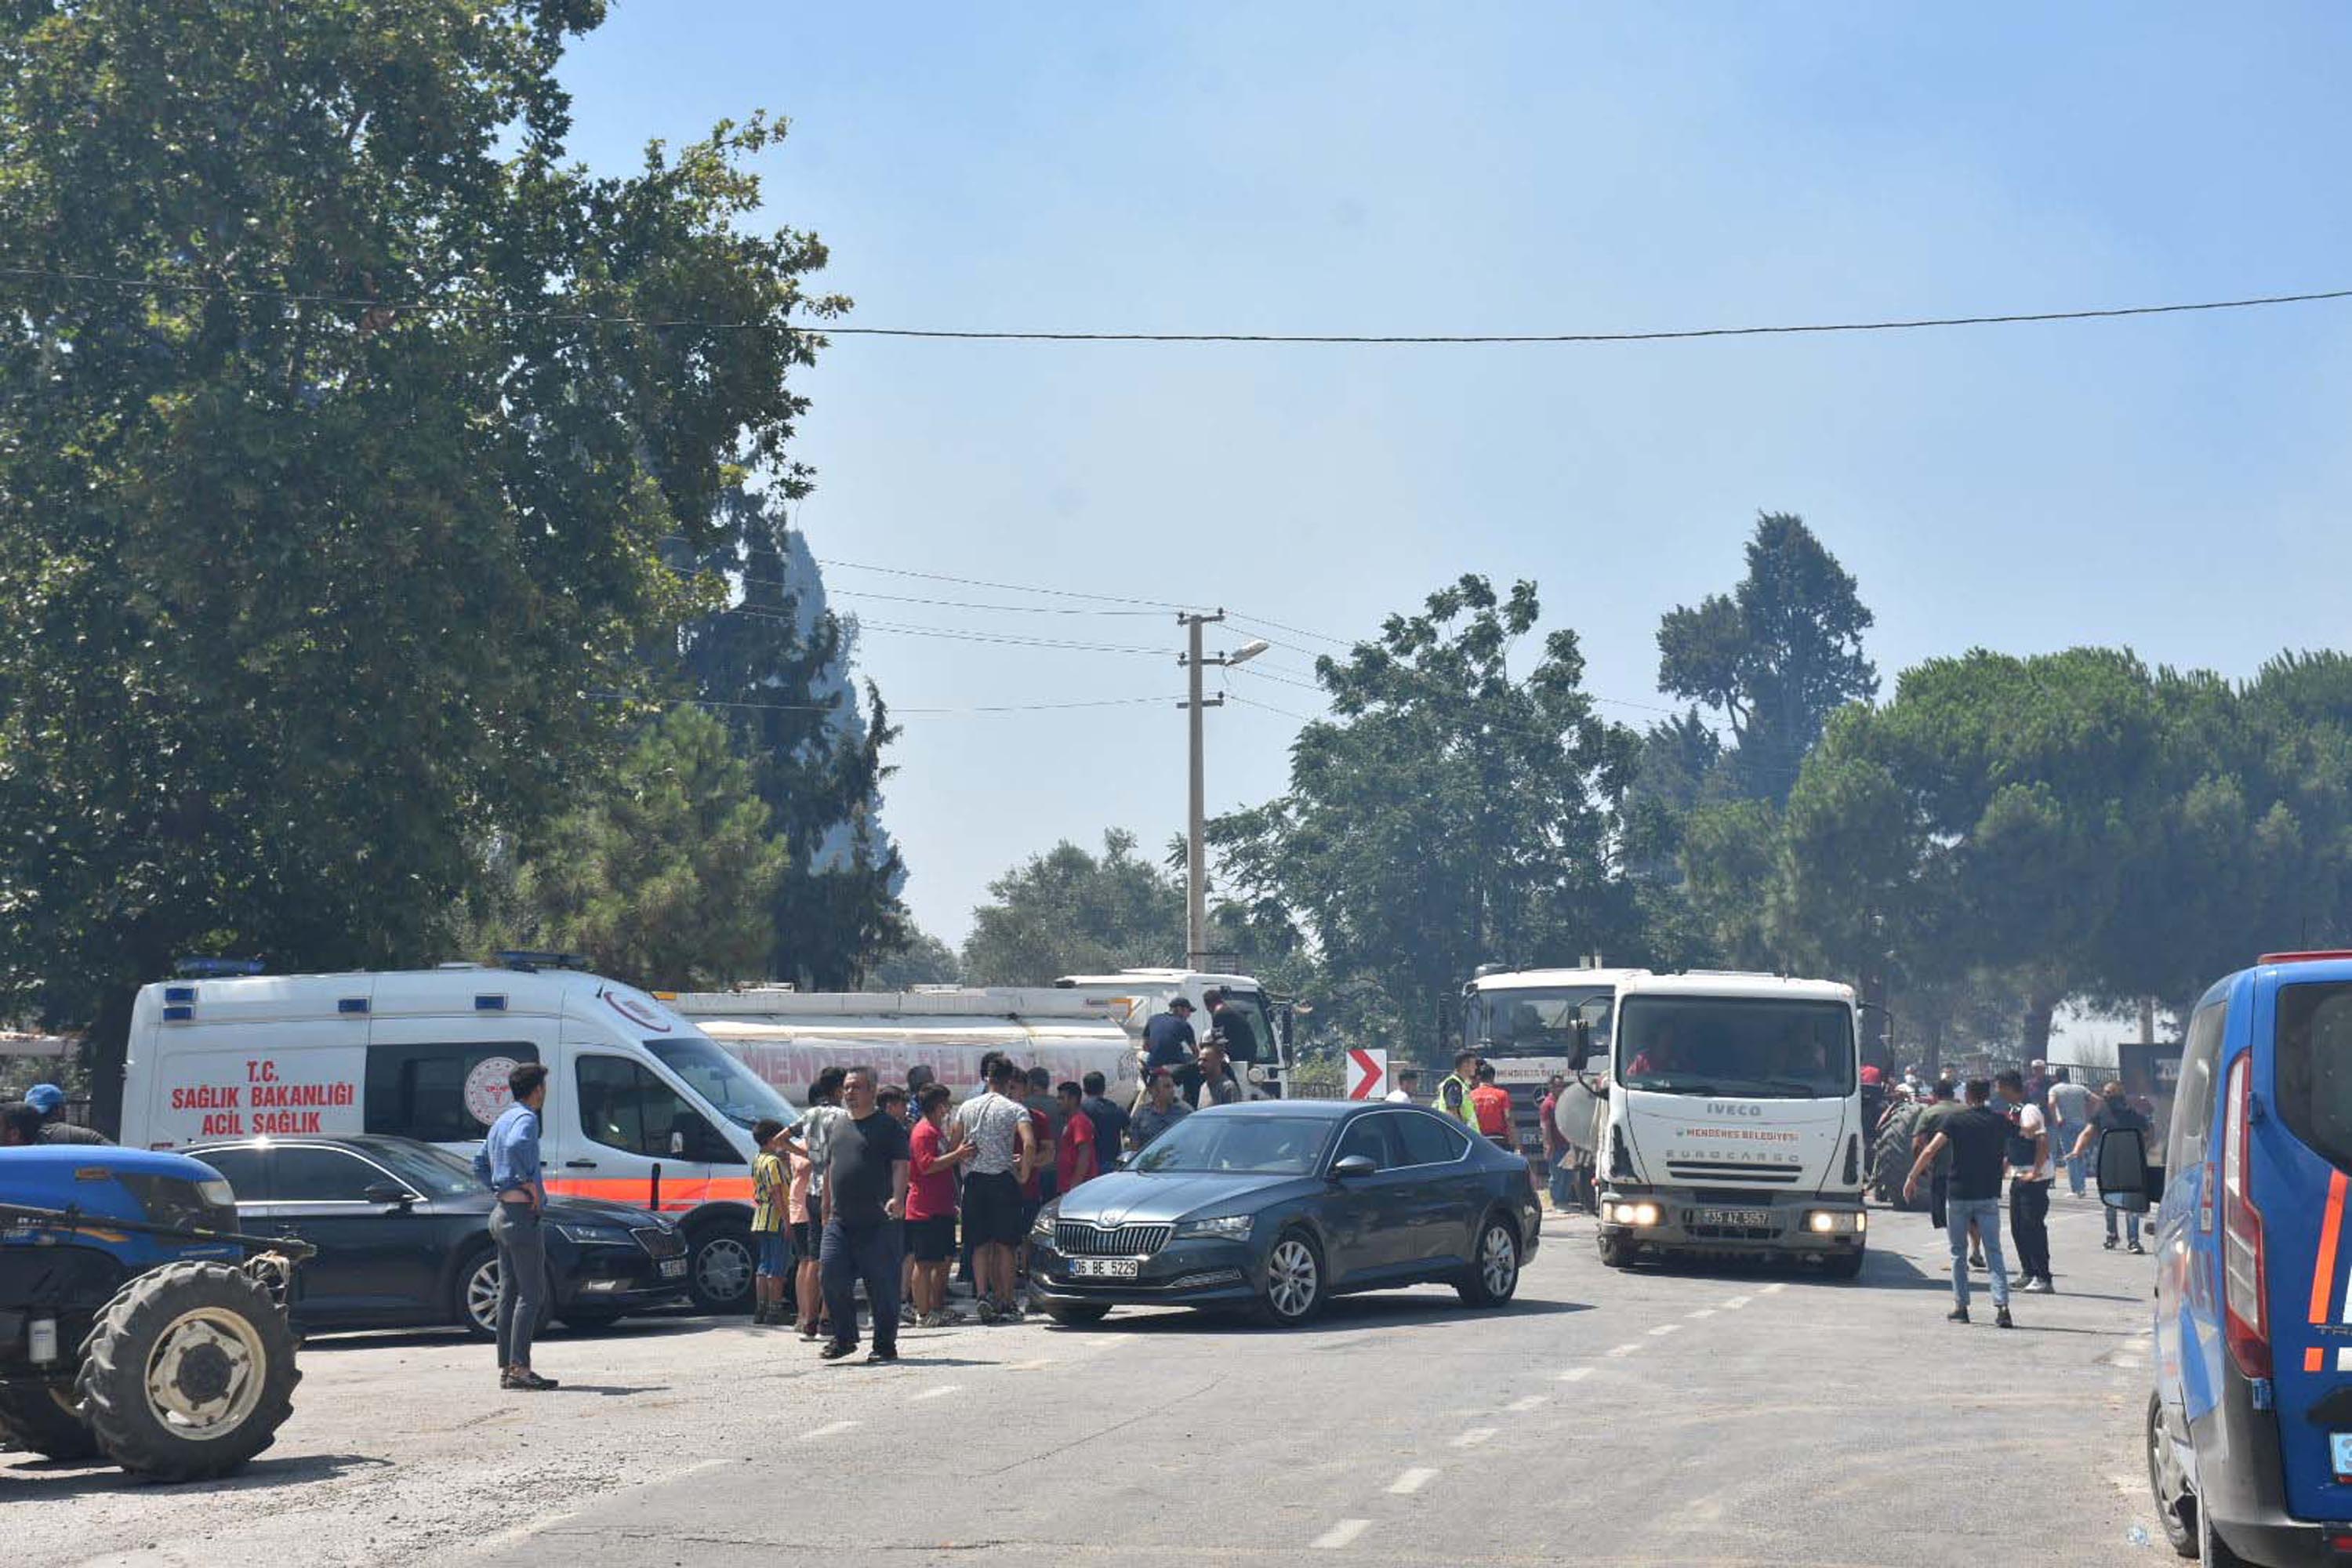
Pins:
x: 1758, y: 1046
x: 1538, y: 1021
x: 1273, y: 1145
x: 739, y: 1094
x: 2315, y: 1066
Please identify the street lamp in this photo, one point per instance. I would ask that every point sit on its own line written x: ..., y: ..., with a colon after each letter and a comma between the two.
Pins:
x: 1196, y: 902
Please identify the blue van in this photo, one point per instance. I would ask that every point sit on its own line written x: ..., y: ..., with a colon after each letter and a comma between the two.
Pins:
x: 2249, y: 1430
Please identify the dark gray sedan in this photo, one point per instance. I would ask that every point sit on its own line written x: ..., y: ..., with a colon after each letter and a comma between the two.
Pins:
x: 1282, y: 1204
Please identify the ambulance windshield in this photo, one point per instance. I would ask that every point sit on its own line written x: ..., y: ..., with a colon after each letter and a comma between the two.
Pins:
x: 738, y: 1094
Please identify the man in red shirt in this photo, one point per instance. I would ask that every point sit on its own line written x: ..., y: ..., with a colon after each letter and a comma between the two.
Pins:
x: 1490, y: 1105
x: 931, y: 1202
x: 1074, y: 1152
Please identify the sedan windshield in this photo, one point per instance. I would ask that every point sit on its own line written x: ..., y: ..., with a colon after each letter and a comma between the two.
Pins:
x: 1755, y: 1046
x: 739, y: 1094
x: 1271, y: 1145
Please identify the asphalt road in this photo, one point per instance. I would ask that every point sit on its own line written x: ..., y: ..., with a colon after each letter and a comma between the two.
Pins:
x: 1719, y: 1416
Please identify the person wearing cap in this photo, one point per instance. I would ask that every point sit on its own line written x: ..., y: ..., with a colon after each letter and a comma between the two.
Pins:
x: 50, y: 1101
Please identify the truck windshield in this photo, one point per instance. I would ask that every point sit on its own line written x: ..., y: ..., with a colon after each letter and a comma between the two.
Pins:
x: 740, y: 1095
x: 1755, y: 1047
x: 2315, y: 1066
x: 1540, y: 1021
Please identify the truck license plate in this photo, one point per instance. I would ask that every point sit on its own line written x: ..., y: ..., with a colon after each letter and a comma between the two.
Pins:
x: 2339, y: 1447
x: 1104, y: 1267
x: 673, y: 1268
x: 1744, y: 1219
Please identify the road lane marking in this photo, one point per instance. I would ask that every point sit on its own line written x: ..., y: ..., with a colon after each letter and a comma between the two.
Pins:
x: 1737, y: 1303
x: 831, y: 1429
x: 1665, y: 1328
x: 1038, y: 1366
x: 1704, y: 1313
x: 1476, y: 1436
x: 1576, y: 1374
x: 1774, y: 1289
x: 1411, y: 1481
x: 941, y: 1392
x: 1341, y: 1534
x: 1625, y: 1350
x: 1521, y: 1406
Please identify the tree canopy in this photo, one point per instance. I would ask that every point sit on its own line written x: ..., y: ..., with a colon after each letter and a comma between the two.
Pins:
x: 1067, y: 911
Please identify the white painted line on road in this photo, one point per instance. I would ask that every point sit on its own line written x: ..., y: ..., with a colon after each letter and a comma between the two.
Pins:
x: 1737, y: 1303
x: 1038, y: 1366
x: 941, y: 1392
x: 1625, y: 1350
x: 1576, y: 1374
x: 829, y: 1429
x: 1704, y: 1313
x: 1411, y: 1481
x: 1473, y: 1437
x: 1107, y: 1343
x: 1665, y: 1328
x: 1774, y: 1289
x: 1521, y: 1406
x: 1341, y: 1534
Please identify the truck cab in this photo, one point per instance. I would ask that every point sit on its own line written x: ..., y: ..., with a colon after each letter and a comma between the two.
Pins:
x: 1135, y: 995
x: 1733, y: 1120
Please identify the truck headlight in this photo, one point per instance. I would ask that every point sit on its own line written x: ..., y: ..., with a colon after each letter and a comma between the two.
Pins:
x: 1835, y: 1222
x: 1633, y: 1213
x: 1232, y: 1227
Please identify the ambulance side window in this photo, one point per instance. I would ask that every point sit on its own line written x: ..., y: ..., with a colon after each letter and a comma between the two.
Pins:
x: 623, y: 1106
x: 429, y: 1092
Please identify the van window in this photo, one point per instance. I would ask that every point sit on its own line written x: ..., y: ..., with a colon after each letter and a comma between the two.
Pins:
x: 421, y: 1091
x: 2192, y: 1104
x: 623, y: 1106
x: 2314, y: 1066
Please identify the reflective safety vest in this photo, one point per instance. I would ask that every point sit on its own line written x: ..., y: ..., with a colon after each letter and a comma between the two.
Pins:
x: 1454, y: 1100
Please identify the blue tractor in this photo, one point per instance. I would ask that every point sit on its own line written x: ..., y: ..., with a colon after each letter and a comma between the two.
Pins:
x: 136, y: 1323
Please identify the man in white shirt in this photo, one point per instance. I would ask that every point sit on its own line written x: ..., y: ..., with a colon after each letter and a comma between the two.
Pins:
x: 1005, y: 1145
x: 2030, y: 1169
x: 1408, y: 1081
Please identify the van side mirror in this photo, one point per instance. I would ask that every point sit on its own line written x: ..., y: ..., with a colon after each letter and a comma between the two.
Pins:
x: 2126, y: 1181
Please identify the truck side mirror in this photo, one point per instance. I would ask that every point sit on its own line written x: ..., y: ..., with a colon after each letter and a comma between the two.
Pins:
x: 2126, y: 1181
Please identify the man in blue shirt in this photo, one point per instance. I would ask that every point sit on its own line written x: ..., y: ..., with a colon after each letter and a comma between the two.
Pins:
x: 1169, y: 1041
x: 509, y: 1166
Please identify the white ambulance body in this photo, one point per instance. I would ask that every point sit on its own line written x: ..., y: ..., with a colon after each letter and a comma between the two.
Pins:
x: 642, y: 1107
x: 787, y: 1037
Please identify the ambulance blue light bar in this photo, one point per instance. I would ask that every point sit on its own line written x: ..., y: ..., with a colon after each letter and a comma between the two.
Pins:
x: 528, y: 962
x: 217, y: 968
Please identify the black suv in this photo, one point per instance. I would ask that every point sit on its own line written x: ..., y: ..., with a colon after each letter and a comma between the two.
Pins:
x: 403, y: 1233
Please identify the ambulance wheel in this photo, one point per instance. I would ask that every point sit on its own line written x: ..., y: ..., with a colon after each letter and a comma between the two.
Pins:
x: 188, y: 1372
x: 719, y: 1268
x: 40, y: 1419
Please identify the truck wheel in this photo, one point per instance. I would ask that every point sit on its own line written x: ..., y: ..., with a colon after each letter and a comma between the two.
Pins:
x: 1493, y: 1278
x: 1842, y: 1264
x: 1616, y: 1252
x: 40, y: 1419
x: 719, y: 1268
x: 188, y: 1372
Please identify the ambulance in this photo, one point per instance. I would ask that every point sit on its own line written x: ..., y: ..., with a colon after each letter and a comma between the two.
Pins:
x: 643, y: 1107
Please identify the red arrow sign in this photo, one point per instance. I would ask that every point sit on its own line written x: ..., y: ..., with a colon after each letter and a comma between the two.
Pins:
x: 1368, y: 1074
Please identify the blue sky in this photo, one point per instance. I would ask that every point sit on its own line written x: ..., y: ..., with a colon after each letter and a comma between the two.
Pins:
x: 2176, y: 484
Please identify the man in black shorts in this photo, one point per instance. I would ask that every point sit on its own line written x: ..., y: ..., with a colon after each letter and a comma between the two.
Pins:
x: 1003, y: 1148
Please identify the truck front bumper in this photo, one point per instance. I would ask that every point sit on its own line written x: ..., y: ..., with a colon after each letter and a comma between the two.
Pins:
x: 1672, y: 1219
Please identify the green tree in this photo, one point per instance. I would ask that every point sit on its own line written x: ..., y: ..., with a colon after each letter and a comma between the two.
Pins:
x: 1450, y: 813
x: 669, y: 877
x: 1776, y: 657
x: 344, y: 420
x: 925, y: 960
x: 1067, y: 911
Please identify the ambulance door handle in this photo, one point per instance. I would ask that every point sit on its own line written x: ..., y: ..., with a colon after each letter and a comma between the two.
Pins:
x: 579, y: 1164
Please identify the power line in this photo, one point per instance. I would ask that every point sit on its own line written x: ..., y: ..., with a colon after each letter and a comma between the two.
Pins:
x: 959, y: 634
x: 895, y: 711
x: 1906, y: 323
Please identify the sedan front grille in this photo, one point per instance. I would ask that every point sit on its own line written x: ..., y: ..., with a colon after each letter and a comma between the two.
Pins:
x: 1076, y: 1238
x: 660, y: 1242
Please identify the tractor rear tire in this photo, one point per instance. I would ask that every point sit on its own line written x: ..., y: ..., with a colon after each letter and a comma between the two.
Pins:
x: 41, y: 1419
x: 188, y: 1372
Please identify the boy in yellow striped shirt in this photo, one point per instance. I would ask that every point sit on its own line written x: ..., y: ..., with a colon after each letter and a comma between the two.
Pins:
x: 771, y: 1239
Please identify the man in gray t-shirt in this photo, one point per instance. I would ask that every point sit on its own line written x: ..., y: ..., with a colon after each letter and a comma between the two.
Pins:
x: 1005, y: 1145
x: 1158, y: 1113
x: 2071, y: 1105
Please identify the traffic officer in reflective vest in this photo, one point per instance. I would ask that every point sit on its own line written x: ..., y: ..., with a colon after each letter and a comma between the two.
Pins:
x: 1453, y: 1093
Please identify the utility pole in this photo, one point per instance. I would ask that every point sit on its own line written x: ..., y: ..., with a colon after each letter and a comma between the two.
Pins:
x: 1196, y: 815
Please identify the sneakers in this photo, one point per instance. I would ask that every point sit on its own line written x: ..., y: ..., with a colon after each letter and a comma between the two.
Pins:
x: 878, y: 1356
x: 1976, y: 1260
x: 2137, y: 1247
x: 2000, y: 1318
x: 2038, y: 1287
x: 906, y: 1314
x: 987, y: 1312
x: 2111, y: 1244
x: 835, y: 1350
x: 942, y: 1319
x: 525, y: 1380
x: 1957, y: 1315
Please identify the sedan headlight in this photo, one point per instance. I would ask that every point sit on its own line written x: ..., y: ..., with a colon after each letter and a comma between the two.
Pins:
x: 596, y: 1235
x: 1043, y: 1229
x: 1232, y: 1227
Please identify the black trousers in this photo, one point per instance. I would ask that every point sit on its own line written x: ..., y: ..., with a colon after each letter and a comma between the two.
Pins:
x: 2029, y: 1227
